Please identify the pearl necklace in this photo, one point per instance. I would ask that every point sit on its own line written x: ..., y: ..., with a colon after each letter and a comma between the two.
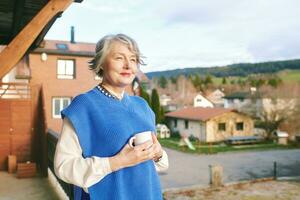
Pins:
x: 106, y: 92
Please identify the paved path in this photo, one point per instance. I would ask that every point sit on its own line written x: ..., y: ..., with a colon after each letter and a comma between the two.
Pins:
x: 191, y: 169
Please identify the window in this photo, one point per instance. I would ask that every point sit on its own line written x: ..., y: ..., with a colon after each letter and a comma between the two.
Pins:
x: 62, y: 46
x: 239, y: 126
x: 186, y: 124
x: 222, y: 127
x: 58, y: 104
x: 65, y: 69
x: 175, y: 123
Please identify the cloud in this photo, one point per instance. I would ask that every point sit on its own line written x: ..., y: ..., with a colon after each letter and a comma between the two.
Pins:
x: 189, y: 33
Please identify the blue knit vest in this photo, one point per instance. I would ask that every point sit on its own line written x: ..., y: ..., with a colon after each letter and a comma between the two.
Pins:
x: 103, y: 126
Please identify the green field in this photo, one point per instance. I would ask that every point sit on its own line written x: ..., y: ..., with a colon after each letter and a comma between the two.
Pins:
x: 287, y: 76
x: 290, y: 75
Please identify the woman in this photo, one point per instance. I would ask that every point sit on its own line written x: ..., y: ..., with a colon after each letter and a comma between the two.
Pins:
x: 93, y: 152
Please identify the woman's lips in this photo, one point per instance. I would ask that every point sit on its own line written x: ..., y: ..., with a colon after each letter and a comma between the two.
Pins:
x: 125, y: 74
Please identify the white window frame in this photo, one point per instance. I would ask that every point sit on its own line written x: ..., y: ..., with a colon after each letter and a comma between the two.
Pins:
x: 65, y: 64
x: 61, y: 99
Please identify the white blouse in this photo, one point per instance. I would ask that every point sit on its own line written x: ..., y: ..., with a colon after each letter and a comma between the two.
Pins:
x: 71, y: 167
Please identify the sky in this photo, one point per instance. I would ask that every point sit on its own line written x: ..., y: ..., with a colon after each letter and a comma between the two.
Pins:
x: 174, y: 34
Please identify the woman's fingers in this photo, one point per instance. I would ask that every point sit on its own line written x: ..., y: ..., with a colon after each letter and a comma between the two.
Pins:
x: 154, y: 138
x: 145, y: 152
x: 144, y: 146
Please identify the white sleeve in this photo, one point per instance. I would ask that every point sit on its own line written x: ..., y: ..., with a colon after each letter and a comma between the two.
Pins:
x: 163, y: 164
x: 71, y: 167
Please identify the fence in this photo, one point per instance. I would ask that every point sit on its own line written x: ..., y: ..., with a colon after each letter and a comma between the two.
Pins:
x: 52, y: 139
x: 274, y: 170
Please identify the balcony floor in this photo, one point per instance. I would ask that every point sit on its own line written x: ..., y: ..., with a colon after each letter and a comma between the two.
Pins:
x: 12, y: 188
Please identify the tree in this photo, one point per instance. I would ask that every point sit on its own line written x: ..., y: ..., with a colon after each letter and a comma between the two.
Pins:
x: 155, y: 105
x: 208, y: 80
x: 197, y: 82
x: 274, y: 82
x: 146, y: 96
x: 224, y: 81
x: 162, y: 82
x: 174, y: 79
x: 162, y: 115
x: 270, y: 113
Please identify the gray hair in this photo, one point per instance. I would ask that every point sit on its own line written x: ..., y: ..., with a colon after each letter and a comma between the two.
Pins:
x: 103, y: 47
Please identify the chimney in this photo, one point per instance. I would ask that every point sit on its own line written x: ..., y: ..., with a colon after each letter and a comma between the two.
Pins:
x: 72, y: 34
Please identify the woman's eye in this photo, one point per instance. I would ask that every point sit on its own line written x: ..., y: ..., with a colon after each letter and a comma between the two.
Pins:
x: 119, y: 58
x: 133, y: 60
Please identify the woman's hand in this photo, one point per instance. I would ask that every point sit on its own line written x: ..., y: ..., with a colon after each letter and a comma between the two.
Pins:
x: 158, y: 151
x: 129, y: 156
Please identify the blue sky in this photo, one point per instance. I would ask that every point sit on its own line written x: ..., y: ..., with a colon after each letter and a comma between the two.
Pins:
x: 190, y: 33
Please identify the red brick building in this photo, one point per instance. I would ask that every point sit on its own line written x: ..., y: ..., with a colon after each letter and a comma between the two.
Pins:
x: 61, y: 67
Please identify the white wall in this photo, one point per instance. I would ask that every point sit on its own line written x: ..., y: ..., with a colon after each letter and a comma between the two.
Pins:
x: 200, y: 101
x: 193, y: 127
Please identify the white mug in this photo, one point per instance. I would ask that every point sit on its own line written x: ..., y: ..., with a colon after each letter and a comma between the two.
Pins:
x: 140, y: 138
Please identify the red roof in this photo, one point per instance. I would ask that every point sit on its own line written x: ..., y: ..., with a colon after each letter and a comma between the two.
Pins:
x: 78, y: 46
x: 198, y: 113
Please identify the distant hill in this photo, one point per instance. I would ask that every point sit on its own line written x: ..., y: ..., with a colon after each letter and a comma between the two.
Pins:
x: 241, y: 69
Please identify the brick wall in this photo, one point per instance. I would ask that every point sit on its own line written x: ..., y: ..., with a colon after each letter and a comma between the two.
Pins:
x: 45, y: 72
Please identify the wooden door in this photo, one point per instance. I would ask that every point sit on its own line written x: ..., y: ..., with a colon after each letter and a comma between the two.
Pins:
x: 16, y: 135
x: 4, y: 133
x: 21, y: 134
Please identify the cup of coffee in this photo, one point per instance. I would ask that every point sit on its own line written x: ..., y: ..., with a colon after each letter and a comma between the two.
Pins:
x: 140, y: 138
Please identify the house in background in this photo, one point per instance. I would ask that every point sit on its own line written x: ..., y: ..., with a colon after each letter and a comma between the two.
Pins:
x: 260, y: 103
x: 162, y: 131
x: 237, y: 100
x: 201, y: 101
x: 164, y: 99
x: 210, y: 124
x: 216, y: 97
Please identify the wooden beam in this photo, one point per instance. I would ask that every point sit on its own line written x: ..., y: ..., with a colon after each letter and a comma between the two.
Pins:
x: 16, y: 49
x: 17, y: 18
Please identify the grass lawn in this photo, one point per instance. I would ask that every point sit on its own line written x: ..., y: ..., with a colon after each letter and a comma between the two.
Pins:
x: 201, y: 148
x: 290, y: 75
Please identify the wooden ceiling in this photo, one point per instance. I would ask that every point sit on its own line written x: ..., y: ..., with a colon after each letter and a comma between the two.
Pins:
x: 16, y: 14
x: 23, y: 25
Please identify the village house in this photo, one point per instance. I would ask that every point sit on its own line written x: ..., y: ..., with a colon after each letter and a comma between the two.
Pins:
x: 210, y: 124
x: 237, y: 100
x: 201, y: 101
x: 164, y: 99
x: 162, y: 131
x: 216, y: 97
x: 258, y: 102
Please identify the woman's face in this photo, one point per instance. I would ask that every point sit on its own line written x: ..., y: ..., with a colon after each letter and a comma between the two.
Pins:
x: 120, y: 66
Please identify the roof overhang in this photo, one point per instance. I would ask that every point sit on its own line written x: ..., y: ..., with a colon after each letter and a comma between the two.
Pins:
x: 23, y: 25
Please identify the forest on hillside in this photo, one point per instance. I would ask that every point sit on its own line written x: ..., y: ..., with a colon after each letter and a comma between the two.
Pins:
x: 241, y: 69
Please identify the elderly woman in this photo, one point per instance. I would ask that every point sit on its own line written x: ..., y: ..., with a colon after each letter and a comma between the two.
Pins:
x: 93, y: 152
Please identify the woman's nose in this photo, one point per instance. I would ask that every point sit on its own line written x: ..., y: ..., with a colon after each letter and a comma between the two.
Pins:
x: 126, y: 64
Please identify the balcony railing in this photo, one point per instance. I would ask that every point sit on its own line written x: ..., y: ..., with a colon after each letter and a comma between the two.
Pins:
x: 15, y: 91
x: 52, y: 138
